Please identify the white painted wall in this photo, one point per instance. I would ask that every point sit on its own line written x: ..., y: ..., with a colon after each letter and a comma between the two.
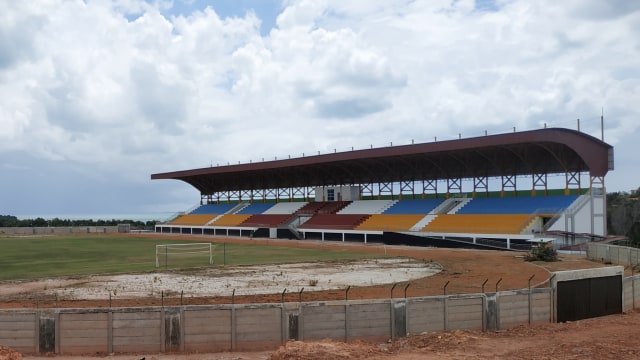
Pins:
x: 347, y: 192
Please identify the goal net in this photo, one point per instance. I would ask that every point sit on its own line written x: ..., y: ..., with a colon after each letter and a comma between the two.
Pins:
x: 184, y: 255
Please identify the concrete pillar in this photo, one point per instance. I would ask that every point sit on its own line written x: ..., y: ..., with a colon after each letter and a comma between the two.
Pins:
x: 491, y: 315
x: 46, y: 332
x: 110, y: 332
x: 398, y: 319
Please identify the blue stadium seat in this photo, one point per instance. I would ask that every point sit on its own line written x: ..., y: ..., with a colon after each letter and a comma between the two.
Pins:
x: 256, y: 208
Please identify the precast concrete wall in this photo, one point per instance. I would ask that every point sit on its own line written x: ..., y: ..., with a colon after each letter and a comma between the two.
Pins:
x: 83, y: 333
x: 207, y: 329
x: 425, y: 315
x: 138, y: 330
x: 323, y: 321
x: 258, y: 327
x: 464, y: 312
x: 216, y: 328
x: 631, y: 293
x: 368, y: 320
x: 524, y: 307
x: 19, y: 330
x: 613, y: 254
x: 58, y: 230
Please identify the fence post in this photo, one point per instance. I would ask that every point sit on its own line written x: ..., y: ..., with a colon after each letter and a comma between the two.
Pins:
x: 444, y: 306
x: 532, y: 276
x: 346, y: 314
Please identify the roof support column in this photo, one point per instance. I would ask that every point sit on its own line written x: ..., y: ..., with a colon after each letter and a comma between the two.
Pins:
x: 235, y: 195
x: 538, y: 181
x: 366, y: 190
x: 407, y: 187
x: 454, y: 185
x: 273, y: 193
x: 430, y: 187
x: 508, y: 182
x: 286, y: 193
x: 298, y: 191
x: 480, y: 183
x: 247, y: 194
x: 310, y: 193
x: 572, y: 181
x: 385, y: 188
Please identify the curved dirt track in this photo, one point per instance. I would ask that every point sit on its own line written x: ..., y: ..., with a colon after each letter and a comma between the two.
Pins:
x: 463, y: 271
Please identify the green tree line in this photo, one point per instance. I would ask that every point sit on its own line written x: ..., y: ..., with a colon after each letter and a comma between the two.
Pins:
x: 623, y: 215
x: 12, y: 221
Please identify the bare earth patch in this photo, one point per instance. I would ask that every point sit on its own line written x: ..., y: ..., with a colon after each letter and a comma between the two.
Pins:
x: 245, y: 280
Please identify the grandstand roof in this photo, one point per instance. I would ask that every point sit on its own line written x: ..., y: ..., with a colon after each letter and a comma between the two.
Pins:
x: 544, y: 151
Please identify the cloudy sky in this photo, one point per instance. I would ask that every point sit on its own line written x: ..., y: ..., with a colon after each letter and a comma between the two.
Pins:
x: 96, y: 95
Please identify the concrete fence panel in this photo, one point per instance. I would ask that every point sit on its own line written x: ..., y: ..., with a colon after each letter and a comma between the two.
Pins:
x: 464, y: 312
x: 19, y: 331
x: 258, y: 328
x: 207, y: 330
x: 513, y: 308
x: 613, y: 254
x: 138, y: 330
x: 631, y: 293
x: 541, y: 304
x: 83, y: 333
x: 323, y: 321
x: 370, y: 321
x: 425, y: 315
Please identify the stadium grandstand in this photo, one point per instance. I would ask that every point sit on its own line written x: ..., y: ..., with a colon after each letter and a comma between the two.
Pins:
x: 492, y: 191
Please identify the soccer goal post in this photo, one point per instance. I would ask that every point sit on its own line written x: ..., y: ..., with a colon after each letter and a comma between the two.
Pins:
x: 191, y: 251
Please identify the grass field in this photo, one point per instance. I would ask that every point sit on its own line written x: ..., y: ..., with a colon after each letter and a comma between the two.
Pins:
x: 51, y: 256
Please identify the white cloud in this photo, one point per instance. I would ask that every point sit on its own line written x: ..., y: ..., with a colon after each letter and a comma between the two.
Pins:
x: 121, y: 90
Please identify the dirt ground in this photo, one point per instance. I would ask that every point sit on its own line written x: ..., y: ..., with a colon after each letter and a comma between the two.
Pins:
x: 463, y: 271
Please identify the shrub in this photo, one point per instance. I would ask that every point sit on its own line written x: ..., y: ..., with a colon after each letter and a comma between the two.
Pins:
x: 542, y: 252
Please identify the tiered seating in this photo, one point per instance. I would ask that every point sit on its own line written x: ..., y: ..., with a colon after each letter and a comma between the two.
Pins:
x: 285, y: 208
x: 255, y: 208
x: 266, y: 220
x: 334, y: 221
x: 213, y: 209
x: 419, y: 206
x: 193, y: 219
x: 231, y: 220
x: 393, y: 222
x: 323, y: 207
x: 366, y: 207
x: 478, y: 223
x: 543, y: 205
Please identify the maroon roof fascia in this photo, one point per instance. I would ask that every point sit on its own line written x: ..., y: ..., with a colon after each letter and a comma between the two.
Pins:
x: 516, y: 153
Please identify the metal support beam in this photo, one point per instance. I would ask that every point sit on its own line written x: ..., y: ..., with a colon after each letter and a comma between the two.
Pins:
x: 539, y: 182
x: 430, y: 187
x: 480, y: 184
x: 385, y: 188
x: 454, y: 185
x: 407, y: 188
x: 572, y: 181
x: 508, y: 184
